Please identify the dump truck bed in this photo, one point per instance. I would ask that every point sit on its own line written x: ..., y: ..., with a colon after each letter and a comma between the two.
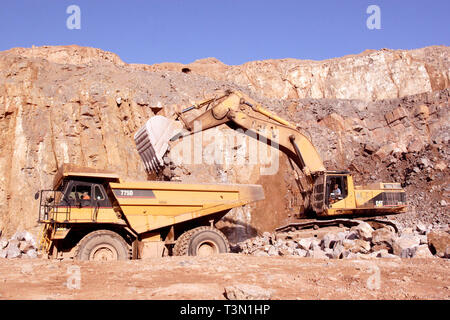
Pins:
x: 151, y: 205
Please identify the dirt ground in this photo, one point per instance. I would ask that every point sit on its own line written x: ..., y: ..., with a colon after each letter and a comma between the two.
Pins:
x: 205, y: 278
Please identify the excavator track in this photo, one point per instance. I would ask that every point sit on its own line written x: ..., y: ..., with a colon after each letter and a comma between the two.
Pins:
x: 376, y: 223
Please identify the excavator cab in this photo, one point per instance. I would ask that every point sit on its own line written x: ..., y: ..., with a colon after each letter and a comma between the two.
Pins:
x: 336, y: 187
x: 332, y: 189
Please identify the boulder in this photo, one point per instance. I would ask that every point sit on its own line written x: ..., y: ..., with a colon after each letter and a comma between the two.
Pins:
x: 31, y: 254
x: 300, y: 252
x: 291, y: 244
x: 13, y: 250
x: 273, y: 251
x: 360, y: 246
x: 439, y: 242
x: 286, y: 251
x: 304, y: 243
x: 316, y: 253
x: 423, y: 239
x: 405, y: 246
x: 364, y: 231
x: 3, y: 253
x: 328, y: 241
x: 329, y: 253
x: 348, y: 244
x: 246, y: 292
x: 352, y: 235
x: 384, y: 237
x: 382, y: 246
x: 25, y: 246
x: 338, y: 251
x: 423, y: 251
x: 379, y: 253
x: 24, y: 236
x: 3, y: 244
x: 340, y: 236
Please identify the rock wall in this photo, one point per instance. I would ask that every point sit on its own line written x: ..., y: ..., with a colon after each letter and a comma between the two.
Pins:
x: 382, y: 114
x: 371, y: 75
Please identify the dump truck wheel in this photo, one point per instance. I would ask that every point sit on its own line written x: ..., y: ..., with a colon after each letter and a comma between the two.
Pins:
x: 201, y: 241
x: 103, y: 245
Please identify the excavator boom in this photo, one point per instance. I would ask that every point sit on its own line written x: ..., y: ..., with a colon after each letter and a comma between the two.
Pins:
x: 234, y: 107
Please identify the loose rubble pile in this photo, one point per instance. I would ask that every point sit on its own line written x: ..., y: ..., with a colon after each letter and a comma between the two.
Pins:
x: 21, y: 245
x: 361, y: 241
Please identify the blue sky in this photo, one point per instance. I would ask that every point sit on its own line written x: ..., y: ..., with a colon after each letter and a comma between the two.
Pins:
x: 234, y: 31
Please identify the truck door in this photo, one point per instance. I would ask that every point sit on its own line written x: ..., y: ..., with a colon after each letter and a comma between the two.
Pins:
x: 100, y: 200
x: 80, y: 200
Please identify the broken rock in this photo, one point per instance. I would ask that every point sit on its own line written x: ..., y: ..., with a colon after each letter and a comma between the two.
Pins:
x: 304, y: 243
x: 338, y: 251
x: 405, y: 246
x: 423, y: 251
x: 421, y: 228
x: 246, y: 292
x: 13, y: 250
x: 316, y: 253
x: 31, y: 254
x: 439, y: 242
x: 328, y: 241
x: 383, y: 236
x: 3, y: 243
x: 25, y: 246
x: 364, y: 231
x: 360, y: 246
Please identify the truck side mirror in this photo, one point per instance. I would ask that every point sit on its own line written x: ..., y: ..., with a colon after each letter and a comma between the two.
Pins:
x: 36, y: 195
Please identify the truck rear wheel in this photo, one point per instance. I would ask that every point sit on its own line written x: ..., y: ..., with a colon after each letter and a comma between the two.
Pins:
x: 103, y: 245
x: 201, y: 241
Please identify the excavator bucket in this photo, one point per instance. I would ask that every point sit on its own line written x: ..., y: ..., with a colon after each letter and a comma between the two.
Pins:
x: 152, y: 141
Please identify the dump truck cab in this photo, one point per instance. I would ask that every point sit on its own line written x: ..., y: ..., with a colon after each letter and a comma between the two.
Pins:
x: 93, y: 214
x: 79, y: 195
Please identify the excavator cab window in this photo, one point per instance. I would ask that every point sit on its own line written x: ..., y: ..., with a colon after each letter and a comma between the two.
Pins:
x: 336, y: 188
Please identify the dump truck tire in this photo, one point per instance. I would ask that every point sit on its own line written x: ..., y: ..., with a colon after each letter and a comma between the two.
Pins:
x: 103, y: 245
x: 201, y: 241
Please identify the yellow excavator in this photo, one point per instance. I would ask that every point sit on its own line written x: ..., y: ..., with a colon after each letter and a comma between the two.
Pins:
x: 330, y: 195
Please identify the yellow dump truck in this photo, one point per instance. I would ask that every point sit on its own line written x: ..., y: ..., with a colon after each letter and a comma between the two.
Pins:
x: 93, y: 214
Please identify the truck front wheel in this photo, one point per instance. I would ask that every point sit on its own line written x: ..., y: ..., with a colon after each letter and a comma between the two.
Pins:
x: 103, y: 245
x: 201, y: 241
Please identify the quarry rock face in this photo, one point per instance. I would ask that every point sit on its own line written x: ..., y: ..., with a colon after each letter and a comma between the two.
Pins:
x: 383, y: 115
x: 371, y: 75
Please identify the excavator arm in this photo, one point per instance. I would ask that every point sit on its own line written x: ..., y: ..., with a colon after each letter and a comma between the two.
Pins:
x: 232, y: 107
